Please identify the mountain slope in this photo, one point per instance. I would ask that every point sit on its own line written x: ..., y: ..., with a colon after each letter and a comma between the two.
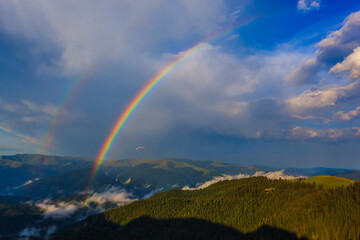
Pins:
x: 18, y: 169
x: 243, y: 205
x: 139, y: 176
x: 16, y: 216
x: 330, y: 181
x: 311, y: 172
x: 355, y: 175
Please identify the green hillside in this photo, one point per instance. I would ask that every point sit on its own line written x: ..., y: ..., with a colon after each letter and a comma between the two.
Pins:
x: 239, y: 209
x: 329, y: 181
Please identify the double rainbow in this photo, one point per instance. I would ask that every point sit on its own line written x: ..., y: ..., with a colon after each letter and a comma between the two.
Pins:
x: 139, y: 97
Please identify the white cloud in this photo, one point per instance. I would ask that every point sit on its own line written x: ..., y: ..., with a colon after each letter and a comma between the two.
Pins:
x: 215, y: 180
x: 57, y: 210
x: 50, y: 110
x: 346, y: 116
x: 271, y: 175
x: 329, y: 95
x: 306, y: 5
x: 277, y: 175
x: 27, y: 183
x: 112, y: 195
x: 351, y: 63
x: 331, y: 50
x: 305, y: 72
x: 327, y: 134
x: 31, y: 112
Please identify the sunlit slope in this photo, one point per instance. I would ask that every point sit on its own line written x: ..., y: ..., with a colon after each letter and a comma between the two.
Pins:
x: 242, y: 205
x: 329, y: 181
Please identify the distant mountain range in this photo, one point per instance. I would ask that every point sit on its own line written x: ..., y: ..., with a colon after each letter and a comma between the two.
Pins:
x: 40, y: 176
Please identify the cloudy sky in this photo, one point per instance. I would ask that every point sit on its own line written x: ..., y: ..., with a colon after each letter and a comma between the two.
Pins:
x: 277, y: 85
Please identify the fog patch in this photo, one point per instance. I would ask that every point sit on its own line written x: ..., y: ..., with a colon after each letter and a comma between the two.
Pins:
x: 277, y: 175
x: 28, y: 232
x: 113, y: 195
x: 27, y: 183
x: 215, y: 180
x: 97, y: 202
x: 57, y: 210
x: 38, y: 232
x: 152, y: 193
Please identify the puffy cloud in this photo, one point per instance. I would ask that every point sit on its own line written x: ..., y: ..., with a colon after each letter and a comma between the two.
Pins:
x: 327, y: 134
x: 304, y: 72
x: 271, y: 175
x: 351, y: 63
x: 329, y: 95
x: 342, y: 42
x: 306, y: 5
x: 346, y: 116
x: 331, y: 50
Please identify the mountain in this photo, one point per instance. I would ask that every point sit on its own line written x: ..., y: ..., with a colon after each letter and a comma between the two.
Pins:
x: 354, y: 175
x: 17, y: 170
x: 251, y: 208
x: 139, y: 176
x: 311, y: 172
x: 41, y: 176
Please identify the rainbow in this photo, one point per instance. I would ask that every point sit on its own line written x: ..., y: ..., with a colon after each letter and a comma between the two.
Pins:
x: 139, y: 97
x: 69, y: 96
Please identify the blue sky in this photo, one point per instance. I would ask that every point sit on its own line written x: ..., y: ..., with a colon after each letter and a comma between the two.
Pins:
x: 281, y: 89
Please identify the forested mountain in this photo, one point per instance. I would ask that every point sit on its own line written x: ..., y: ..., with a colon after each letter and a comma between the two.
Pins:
x: 15, y: 216
x: 18, y: 169
x: 40, y: 176
x: 239, y: 208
